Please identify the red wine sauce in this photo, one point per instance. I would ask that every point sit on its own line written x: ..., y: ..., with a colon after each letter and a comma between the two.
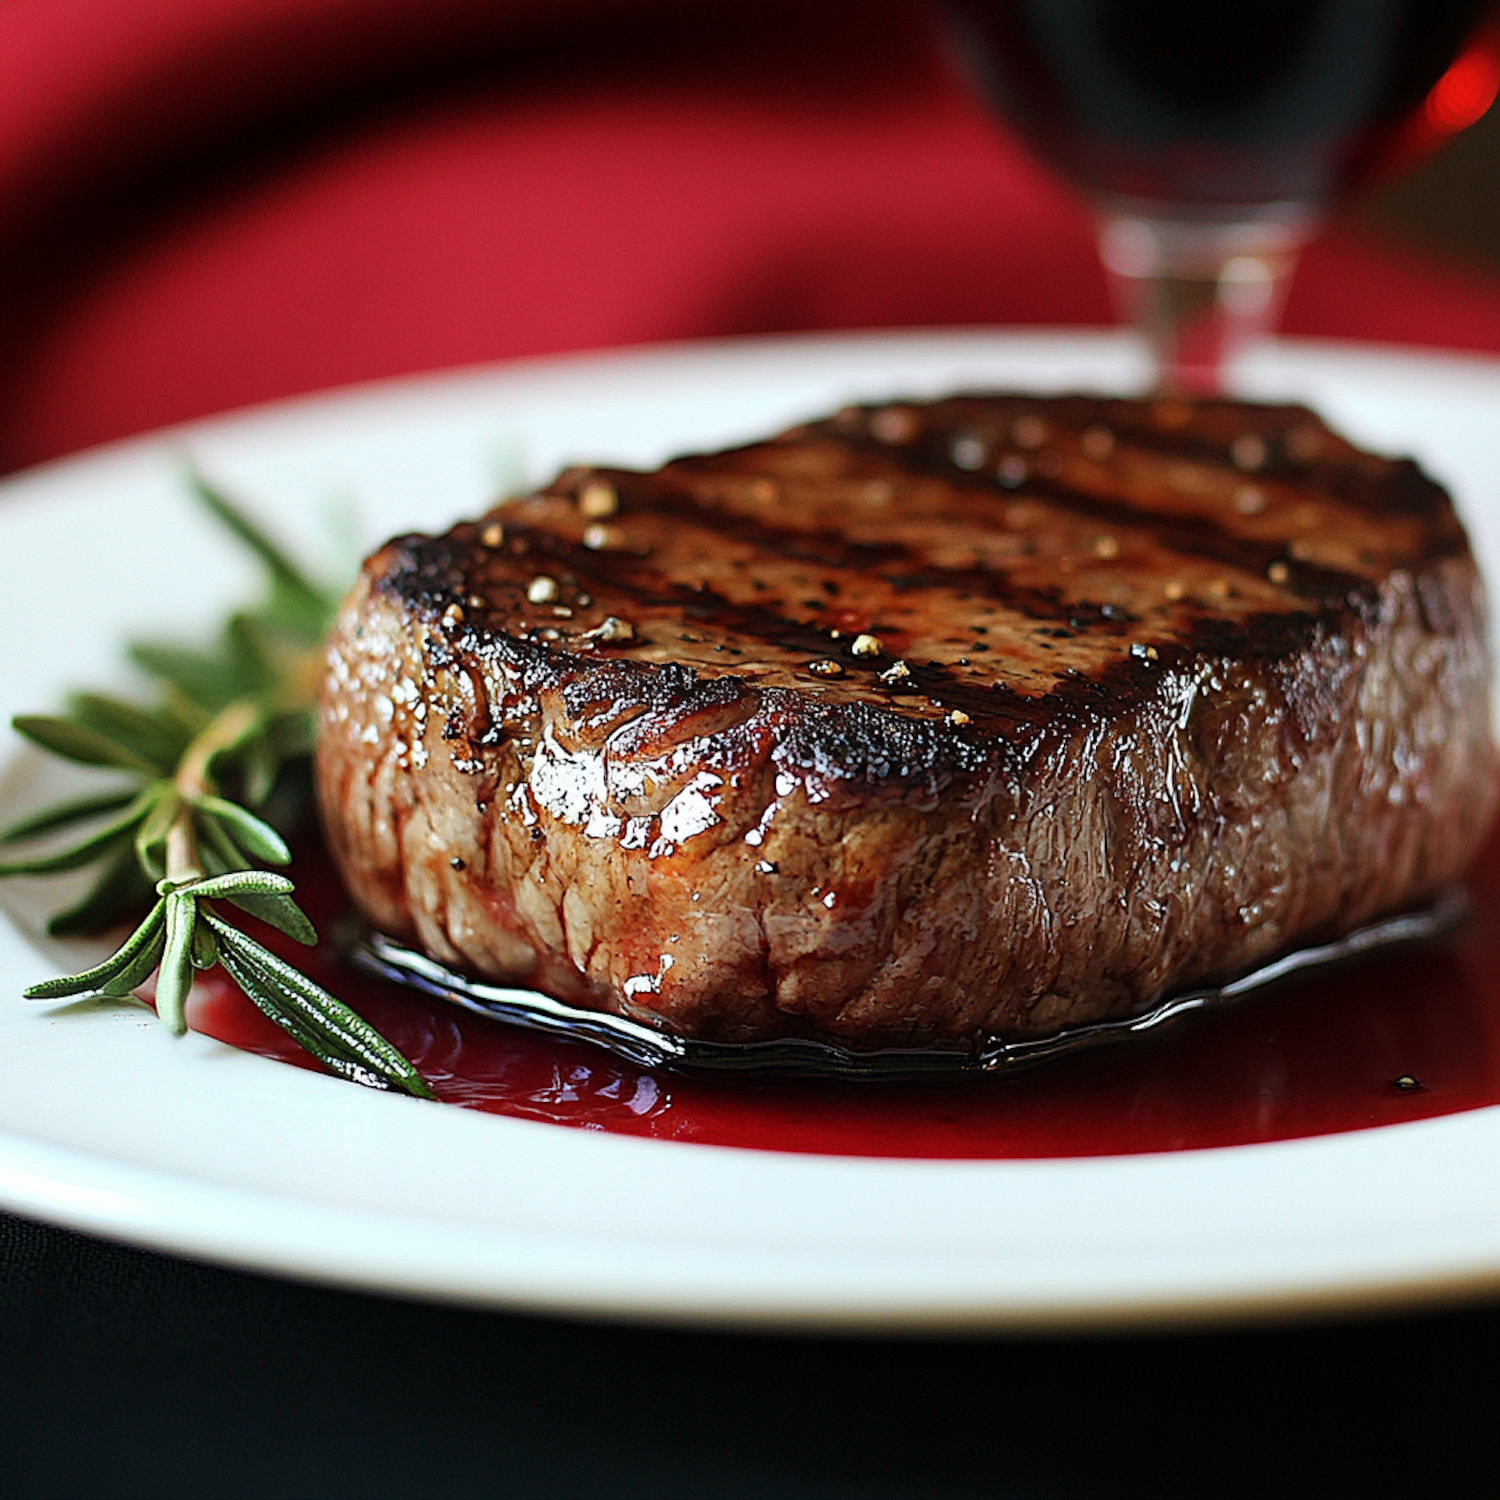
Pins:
x: 1400, y: 1036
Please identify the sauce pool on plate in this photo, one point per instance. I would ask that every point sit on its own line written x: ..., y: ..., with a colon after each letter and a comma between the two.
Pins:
x: 1403, y: 1035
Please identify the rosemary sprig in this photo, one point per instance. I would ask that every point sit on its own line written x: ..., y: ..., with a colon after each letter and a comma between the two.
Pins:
x: 227, y: 740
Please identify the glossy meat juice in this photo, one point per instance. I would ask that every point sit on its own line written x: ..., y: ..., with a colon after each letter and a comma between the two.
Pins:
x: 1406, y: 1035
x: 1216, y: 106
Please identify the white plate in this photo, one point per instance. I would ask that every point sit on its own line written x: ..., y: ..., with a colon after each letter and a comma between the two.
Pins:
x: 107, y: 1124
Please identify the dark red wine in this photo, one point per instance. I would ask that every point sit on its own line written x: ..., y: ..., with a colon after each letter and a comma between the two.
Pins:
x: 1400, y: 1036
x: 1210, y: 105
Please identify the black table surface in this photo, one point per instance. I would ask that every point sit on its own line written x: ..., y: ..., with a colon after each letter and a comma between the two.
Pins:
x: 126, y: 1373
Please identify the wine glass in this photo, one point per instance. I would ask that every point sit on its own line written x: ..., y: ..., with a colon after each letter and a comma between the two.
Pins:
x: 1211, y: 135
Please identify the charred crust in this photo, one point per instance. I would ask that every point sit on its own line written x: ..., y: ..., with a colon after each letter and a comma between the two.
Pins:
x: 962, y: 713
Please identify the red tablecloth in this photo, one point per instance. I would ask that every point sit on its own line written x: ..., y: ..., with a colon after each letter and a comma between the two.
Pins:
x: 207, y: 204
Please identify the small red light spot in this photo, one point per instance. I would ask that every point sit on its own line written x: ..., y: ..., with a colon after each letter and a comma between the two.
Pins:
x: 1464, y: 92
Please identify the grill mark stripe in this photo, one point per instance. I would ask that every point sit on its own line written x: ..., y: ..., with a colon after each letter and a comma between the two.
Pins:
x: 1180, y: 537
x: 948, y: 417
x: 993, y: 706
x: 900, y: 566
x: 663, y: 495
x: 653, y: 589
x: 1198, y: 537
x: 673, y: 494
x: 1401, y: 490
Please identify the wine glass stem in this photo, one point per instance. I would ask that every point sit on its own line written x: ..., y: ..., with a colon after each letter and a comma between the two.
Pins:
x: 1197, y: 293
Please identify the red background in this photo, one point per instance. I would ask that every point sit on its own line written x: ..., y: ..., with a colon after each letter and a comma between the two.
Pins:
x: 207, y: 204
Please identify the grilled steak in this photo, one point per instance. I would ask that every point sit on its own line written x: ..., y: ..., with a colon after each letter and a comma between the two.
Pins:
x: 921, y: 724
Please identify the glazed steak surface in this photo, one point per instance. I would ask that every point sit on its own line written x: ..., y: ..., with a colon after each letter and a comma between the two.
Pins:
x: 922, y: 724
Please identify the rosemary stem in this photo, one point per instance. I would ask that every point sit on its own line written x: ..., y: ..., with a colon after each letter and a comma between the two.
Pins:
x: 182, y: 850
x: 193, y: 781
x: 226, y: 728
